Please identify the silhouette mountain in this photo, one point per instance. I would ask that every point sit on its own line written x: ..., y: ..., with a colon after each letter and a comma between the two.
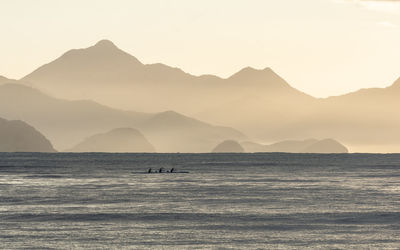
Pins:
x: 121, y: 140
x: 301, y: 146
x: 18, y: 136
x: 228, y: 146
x: 103, y: 71
x: 67, y: 122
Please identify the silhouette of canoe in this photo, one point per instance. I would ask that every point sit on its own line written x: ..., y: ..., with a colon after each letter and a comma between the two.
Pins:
x: 175, y: 172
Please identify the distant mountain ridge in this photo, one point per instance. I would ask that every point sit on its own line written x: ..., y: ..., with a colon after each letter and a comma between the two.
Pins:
x: 298, y: 146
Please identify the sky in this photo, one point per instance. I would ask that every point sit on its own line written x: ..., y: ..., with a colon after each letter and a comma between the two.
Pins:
x: 321, y: 47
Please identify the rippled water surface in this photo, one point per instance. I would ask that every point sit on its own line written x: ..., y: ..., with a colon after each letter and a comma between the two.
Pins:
x: 278, y: 201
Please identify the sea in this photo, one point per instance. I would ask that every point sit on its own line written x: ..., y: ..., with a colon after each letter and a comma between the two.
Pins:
x: 214, y: 201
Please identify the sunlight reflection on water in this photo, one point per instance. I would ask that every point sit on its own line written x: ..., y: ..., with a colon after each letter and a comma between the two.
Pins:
x: 239, y: 201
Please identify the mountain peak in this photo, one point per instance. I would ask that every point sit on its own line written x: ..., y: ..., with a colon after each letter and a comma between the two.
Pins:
x: 262, y: 77
x: 105, y: 44
x: 101, y: 63
x: 250, y: 72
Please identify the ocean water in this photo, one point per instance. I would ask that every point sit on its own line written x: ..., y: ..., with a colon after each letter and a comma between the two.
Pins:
x: 226, y: 201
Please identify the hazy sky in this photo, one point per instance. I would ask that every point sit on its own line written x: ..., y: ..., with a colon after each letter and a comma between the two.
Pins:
x: 322, y: 47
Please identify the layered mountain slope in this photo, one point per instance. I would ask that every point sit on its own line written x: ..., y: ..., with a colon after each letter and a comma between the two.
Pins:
x: 121, y: 140
x: 67, y: 122
x: 173, y: 132
x: 64, y: 122
x: 18, y: 136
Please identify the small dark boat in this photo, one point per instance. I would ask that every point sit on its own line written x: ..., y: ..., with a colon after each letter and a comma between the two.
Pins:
x: 162, y: 171
x: 168, y: 172
x: 175, y: 172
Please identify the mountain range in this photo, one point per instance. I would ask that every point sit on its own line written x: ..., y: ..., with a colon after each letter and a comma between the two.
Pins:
x: 108, y: 75
x: 258, y: 102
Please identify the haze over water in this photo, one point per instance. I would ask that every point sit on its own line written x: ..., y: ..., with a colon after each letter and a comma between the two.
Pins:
x: 280, y: 201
